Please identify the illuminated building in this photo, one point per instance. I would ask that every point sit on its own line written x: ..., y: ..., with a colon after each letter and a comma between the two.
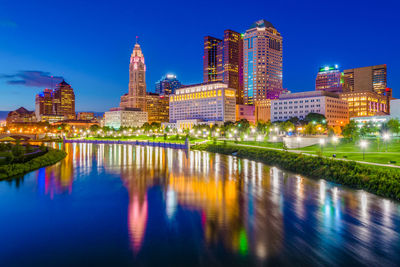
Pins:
x: 263, y: 110
x: 262, y: 66
x: 299, y: 105
x: 136, y: 97
x: 167, y: 85
x: 77, y: 124
x: 157, y: 107
x: 366, y: 103
x: 210, y: 60
x: 210, y: 102
x: 51, y: 118
x: 86, y: 116
x: 223, y: 61
x: 64, y: 100
x: 21, y: 116
x: 329, y: 79
x: 125, y: 117
x: 44, y: 104
x: 245, y: 112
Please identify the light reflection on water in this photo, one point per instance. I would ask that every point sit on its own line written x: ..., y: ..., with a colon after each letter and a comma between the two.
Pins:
x: 130, y: 204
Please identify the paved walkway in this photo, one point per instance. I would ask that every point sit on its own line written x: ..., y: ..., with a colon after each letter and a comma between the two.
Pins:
x: 313, y: 155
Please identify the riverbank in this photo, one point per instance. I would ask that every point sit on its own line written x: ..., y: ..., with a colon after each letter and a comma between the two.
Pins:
x: 15, y: 169
x: 380, y: 181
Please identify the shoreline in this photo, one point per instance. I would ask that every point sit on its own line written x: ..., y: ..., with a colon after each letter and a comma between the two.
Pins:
x: 384, y: 182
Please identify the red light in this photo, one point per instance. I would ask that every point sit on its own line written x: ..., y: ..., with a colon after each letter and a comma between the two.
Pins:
x: 387, y: 89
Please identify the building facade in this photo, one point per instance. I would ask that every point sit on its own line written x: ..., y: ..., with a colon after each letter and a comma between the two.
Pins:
x: 263, y: 110
x: 329, y: 79
x: 86, y: 116
x: 167, y: 85
x: 245, y: 112
x: 125, y: 117
x: 204, y: 102
x: 44, y: 104
x: 157, y: 108
x: 262, y: 65
x: 136, y: 97
x: 362, y: 104
x: 210, y: 59
x: 21, y: 116
x: 298, y: 105
x: 64, y: 100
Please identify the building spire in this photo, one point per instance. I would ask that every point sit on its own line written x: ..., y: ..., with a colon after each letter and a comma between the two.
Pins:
x: 137, y: 38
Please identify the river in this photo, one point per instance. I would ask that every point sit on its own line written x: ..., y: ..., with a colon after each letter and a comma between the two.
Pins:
x: 119, y: 205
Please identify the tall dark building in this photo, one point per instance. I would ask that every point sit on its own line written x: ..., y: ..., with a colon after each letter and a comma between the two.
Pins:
x: 44, y: 103
x: 210, y: 60
x: 167, y: 85
x: 372, y: 79
x: 223, y: 61
x: 64, y: 100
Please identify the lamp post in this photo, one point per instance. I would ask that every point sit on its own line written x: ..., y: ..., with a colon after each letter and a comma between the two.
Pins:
x: 298, y: 138
x: 363, y: 145
x: 322, y: 143
x: 386, y: 139
x: 334, y: 140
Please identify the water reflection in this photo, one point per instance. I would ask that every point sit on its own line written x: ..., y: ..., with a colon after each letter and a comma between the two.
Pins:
x: 227, y: 210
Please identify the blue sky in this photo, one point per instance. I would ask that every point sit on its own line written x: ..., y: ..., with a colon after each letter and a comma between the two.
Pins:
x: 89, y: 42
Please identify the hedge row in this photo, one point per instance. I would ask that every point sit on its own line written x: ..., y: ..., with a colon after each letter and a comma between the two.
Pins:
x: 15, y: 169
x: 381, y: 181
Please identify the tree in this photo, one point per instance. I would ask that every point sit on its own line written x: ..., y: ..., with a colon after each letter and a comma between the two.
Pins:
x: 310, y: 129
x: 351, y: 131
x: 394, y: 126
x: 287, y: 126
x: 315, y: 118
x: 94, y: 128
x: 243, y: 125
x: 294, y: 120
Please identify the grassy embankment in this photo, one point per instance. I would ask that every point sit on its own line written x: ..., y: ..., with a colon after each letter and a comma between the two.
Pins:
x: 378, y: 180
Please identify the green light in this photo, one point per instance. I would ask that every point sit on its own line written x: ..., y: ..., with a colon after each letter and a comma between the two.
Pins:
x: 243, y: 245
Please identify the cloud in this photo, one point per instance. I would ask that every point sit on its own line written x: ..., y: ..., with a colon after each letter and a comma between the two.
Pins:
x: 7, y: 24
x: 32, y: 78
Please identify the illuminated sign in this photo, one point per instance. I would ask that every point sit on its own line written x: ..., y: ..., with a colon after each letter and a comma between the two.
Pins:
x: 328, y: 68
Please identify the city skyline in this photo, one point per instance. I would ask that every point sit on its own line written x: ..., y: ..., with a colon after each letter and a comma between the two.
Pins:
x: 86, y: 69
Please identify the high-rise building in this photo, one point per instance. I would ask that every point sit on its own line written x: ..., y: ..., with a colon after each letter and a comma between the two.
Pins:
x: 262, y: 62
x: 64, y: 100
x: 157, y: 108
x: 136, y: 97
x: 167, y: 85
x: 329, y: 79
x: 370, y: 79
x: 44, y: 104
x: 210, y: 59
x: 223, y: 61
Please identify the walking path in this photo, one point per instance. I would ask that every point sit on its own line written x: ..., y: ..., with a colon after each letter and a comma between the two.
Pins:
x: 313, y: 155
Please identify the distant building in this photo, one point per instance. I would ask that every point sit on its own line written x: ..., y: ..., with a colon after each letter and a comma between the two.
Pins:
x: 44, y: 104
x: 262, y: 66
x: 208, y: 102
x: 263, y: 110
x: 223, y: 61
x: 366, y: 103
x: 299, y: 105
x: 245, y: 112
x: 78, y: 124
x: 136, y: 97
x: 157, y: 107
x: 52, y: 118
x: 329, y: 79
x: 21, y: 116
x: 64, y: 100
x: 86, y: 116
x: 125, y: 117
x: 167, y: 85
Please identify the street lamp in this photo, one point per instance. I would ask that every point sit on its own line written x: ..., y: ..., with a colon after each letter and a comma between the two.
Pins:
x: 386, y: 138
x: 335, y: 140
x: 363, y: 145
x: 298, y: 138
x: 322, y: 143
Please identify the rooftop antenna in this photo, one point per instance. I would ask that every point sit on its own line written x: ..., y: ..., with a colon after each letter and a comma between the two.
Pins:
x: 137, y: 38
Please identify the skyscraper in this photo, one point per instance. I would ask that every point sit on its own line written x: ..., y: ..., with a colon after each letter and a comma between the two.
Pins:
x: 136, y: 97
x: 210, y: 60
x: 64, y: 100
x: 167, y: 85
x: 329, y: 79
x: 44, y: 103
x: 372, y: 79
x: 223, y: 61
x: 262, y: 66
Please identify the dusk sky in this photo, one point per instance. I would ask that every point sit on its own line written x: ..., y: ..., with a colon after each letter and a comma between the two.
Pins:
x: 89, y: 43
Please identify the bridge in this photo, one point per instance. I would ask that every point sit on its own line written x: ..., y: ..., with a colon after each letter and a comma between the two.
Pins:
x: 21, y: 136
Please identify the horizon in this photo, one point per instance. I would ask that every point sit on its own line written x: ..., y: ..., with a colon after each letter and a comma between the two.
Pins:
x: 32, y: 52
